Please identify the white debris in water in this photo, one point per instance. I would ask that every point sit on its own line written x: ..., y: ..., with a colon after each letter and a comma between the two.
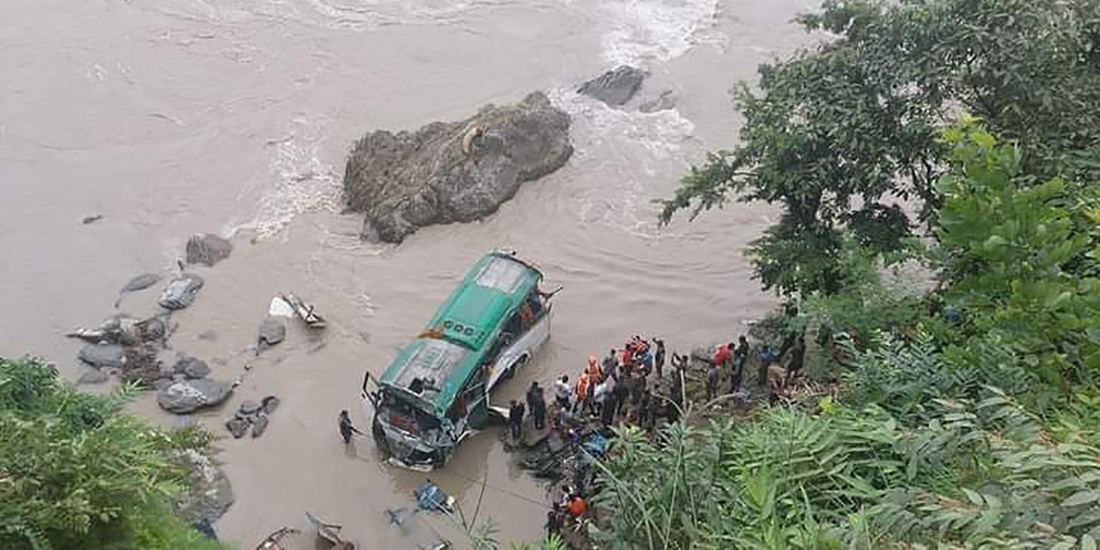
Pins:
x: 300, y: 181
x: 279, y: 308
x: 630, y: 143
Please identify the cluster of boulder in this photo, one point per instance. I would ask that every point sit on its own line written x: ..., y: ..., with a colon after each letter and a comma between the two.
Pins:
x: 136, y: 350
x: 448, y: 172
x: 254, y: 415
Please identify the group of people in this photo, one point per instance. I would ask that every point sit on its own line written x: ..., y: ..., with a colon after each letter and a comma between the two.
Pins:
x: 617, y: 387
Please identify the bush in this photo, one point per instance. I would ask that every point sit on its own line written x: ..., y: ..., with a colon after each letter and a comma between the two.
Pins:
x: 76, y: 472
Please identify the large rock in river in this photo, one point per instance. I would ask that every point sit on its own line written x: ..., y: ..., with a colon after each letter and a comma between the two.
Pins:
x: 453, y: 171
x: 190, y: 395
x: 616, y: 86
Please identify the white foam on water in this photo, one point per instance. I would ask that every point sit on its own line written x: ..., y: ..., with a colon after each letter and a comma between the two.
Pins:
x: 641, y: 32
x: 630, y: 145
x: 300, y: 181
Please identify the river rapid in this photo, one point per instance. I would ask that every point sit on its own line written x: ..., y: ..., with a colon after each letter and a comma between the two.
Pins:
x: 174, y: 117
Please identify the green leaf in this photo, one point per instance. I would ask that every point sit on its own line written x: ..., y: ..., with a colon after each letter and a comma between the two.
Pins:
x: 1081, y: 498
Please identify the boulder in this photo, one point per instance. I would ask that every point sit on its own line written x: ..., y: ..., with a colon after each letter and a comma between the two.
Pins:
x: 270, y: 403
x: 616, y: 86
x: 248, y: 408
x: 181, y: 291
x: 103, y: 356
x: 272, y: 331
x: 93, y: 376
x: 208, y: 493
x: 191, y: 368
x: 449, y: 172
x: 663, y: 102
x: 259, y: 425
x: 140, y: 282
x: 190, y: 395
x: 208, y: 249
x: 237, y: 426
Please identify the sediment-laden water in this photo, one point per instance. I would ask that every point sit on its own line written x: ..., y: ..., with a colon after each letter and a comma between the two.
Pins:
x: 171, y: 117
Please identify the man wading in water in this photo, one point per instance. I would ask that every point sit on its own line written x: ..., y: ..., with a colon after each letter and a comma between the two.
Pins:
x: 346, y: 429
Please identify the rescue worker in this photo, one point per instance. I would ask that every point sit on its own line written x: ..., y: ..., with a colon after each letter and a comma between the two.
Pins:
x: 622, y: 392
x: 797, y: 360
x: 346, y: 428
x: 765, y: 356
x: 536, y: 403
x: 722, y: 355
x: 555, y: 519
x: 581, y: 392
x: 515, y: 419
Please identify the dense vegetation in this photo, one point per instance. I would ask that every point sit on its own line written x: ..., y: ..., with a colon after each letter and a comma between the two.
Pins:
x: 965, y: 416
x: 77, y: 472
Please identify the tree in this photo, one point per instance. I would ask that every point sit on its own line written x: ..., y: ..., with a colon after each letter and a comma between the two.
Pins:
x: 76, y: 472
x: 1017, y: 258
x: 836, y: 128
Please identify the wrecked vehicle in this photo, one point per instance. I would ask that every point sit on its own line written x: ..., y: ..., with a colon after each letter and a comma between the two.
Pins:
x: 435, y: 392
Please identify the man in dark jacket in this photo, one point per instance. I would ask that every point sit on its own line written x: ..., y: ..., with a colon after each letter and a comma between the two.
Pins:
x: 536, y: 403
x: 515, y: 419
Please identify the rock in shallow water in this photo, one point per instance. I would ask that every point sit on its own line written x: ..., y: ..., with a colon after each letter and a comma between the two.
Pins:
x: 272, y: 331
x: 615, y: 87
x: 663, y: 102
x: 237, y: 426
x: 208, y: 249
x: 181, y: 291
x: 191, y: 367
x: 103, y: 356
x: 208, y: 493
x: 93, y: 376
x: 190, y: 395
x: 259, y: 425
x: 449, y: 172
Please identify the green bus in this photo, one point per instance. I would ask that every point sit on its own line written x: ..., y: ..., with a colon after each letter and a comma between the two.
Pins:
x: 435, y: 393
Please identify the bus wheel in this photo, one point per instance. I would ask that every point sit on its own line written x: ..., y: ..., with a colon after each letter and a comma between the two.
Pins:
x: 519, y: 364
x: 380, y: 438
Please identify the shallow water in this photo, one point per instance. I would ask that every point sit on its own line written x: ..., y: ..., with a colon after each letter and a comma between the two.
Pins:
x: 234, y: 117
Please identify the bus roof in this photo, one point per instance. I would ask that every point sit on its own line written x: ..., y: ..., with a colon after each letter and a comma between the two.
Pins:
x: 461, y: 332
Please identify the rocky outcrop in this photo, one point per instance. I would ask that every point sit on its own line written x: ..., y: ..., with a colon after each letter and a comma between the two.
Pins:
x: 181, y: 291
x: 191, y: 368
x: 208, y: 249
x: 190, y: 395
x: 615, y: 87
x: 453, y: 171
x: 208, y: 493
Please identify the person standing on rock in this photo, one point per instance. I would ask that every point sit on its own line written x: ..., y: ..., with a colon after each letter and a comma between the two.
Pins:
x: 536, y: 403
x: 563, y: 390
x: 611, y: 363
x: 515, y: 419
x: 346, y: 428
x: 740, y: 356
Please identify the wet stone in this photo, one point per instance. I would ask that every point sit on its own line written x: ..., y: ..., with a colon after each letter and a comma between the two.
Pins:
x: 270, y: 403
x: 181, y: 291
x: 249, y: 407
x: 259, y: 426
x: 93, y: 376
x: 190, y: 395
x: 192, y: 368
x: 208, y: 249
x: 103, y: 355
x: 615, y: 87
x: 237, y: 426
x: 272, y: 331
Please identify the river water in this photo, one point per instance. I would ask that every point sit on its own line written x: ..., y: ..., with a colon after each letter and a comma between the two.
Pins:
x: 171, y: 117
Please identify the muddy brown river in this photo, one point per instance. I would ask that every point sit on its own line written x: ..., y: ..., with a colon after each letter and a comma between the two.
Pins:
x: 172, y: 117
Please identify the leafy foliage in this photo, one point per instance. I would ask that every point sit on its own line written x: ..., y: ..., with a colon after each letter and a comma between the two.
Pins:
x: 75, y: 472
x: 1014, y: 257
x: 836, y: 129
